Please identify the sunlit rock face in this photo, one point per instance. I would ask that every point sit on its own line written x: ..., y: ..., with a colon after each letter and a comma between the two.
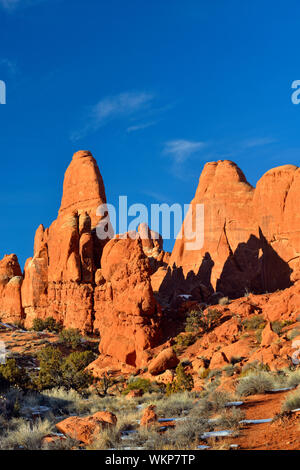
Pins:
x: 251, y: 235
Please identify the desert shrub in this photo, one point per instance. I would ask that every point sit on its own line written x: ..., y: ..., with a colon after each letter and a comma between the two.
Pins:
x: 256, y: 382
x: 230, y: 418
x: 138, y: 383
x: 69, y: 372
x: 70, y: 337
x: 277, y: 326
x: 174, y: 405
x: 19, y: 324
x: 187, y: 432
x: 27, y: 436
x: 229, y: 370
x: 293, y: 333
x: 212, y: 402
x: 52, y: 325
x: 258, y: 335
x: 211, y: 317
x: 253, y: 367
x: 293, y: 379
x: 203, y: 372
x: 224, y: 301
x: 292, y: 401
x: 183, y: 341
x: 73, y: 370
x: 198, y: 320
x: 214, y: 373
x: 254, y: 322
x: 50, y: 374
x: 12, y: 374
x: 194, y: 321
x: 106, y: 439
x: 182, y: 381
x: 49, y: 324
x: 38, y: 324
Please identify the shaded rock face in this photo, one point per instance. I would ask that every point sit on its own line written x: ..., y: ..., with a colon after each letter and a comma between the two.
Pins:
x: 10, y: 289
x: 126, y: 313
x: 59, y: 279
x: 251, y: 235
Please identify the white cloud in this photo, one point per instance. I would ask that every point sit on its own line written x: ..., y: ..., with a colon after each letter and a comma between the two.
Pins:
x: 258, y: 142
x: 12, y: 5
x: 180, y: 150
x: 9, y: 4
x: 139, y: 127
x: 114, y: 107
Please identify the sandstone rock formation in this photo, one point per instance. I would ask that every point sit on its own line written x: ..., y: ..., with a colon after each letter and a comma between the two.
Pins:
x: 84, y: 284
x: 251, y: 235
x: 126, y: 313
x: 10, y: 289
x: 59, y: 279
x: 251, y: 243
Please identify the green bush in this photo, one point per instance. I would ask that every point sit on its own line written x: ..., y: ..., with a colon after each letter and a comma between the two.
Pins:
x: 69, y: 372
x: 12, y: 374
x: 253, y: 367
x: 259, y: 382
x: 198, y: 320
x: 70, y: 337
x: 73, y: 370
x: 138, y: 384
x: 50, y: 374
x: 38, y: 324
x: 181, y: 383
x: 52, y: 325
x: 183, y: 341
x: 49, y: 324
x: 292, y: 401
x: 254, y: 322
x: 194, y: 321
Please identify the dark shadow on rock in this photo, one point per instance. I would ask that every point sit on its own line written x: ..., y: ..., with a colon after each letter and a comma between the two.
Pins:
x: 196, y: 285
x: 254, y: 267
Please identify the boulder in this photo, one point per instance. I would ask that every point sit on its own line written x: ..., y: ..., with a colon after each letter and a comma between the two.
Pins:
x: 86, y: 429
x: 166, y: 359
x: 149, y: 417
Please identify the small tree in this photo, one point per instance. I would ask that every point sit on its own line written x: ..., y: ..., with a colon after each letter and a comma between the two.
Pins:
x: 73, y: 370
x: 194, y: 321
x: 71, y: 337
x: 182, y: 382
x: 50, y: 374
x: 38, y: 324
x: 12, y: 374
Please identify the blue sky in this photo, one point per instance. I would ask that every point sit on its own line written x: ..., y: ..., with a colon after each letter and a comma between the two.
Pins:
x: 154, y: 88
